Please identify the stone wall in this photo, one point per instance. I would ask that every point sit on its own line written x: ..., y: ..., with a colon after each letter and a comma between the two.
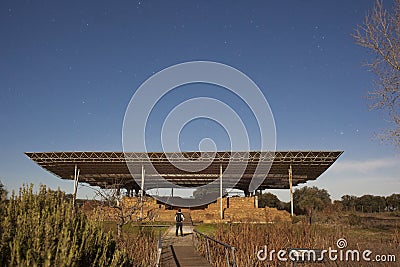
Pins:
x: 239, y: 209
x: 235, y: 209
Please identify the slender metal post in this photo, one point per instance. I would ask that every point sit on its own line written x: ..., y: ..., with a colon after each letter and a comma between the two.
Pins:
x: 75, y: 172
x: 142, y: 184
x: 142, y: 193
x: 76, y: 179
x: 291, y: 190
x: 220, y: 191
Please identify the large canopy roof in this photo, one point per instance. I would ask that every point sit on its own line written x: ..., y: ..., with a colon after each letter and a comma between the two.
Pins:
x: 110, y: 169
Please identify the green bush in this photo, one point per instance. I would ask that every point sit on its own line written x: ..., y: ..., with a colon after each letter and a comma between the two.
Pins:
x: 43, y: 229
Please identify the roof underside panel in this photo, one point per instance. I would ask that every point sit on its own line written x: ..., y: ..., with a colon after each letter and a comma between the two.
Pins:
x: 110, y: 169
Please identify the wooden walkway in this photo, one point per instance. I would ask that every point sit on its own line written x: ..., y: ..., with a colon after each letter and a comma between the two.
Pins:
x: 178, y: 251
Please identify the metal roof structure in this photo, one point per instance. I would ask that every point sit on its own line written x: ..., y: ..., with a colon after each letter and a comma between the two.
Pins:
x: 110, y: 169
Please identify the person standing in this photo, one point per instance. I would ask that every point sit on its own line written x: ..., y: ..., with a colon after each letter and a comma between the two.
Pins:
x: 179, y: 218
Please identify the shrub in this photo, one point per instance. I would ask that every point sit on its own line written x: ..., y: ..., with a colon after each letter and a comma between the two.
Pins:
x: 43, y: 229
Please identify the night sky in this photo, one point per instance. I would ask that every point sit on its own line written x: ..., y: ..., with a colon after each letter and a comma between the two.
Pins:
x: 68, y: 70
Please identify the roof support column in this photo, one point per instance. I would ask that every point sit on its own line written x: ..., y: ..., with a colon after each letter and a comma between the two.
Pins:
x: 142, y: 193
x: 246, y: 192
x: 291, y: 189
x: 220, y: 192
x: 76, y: 180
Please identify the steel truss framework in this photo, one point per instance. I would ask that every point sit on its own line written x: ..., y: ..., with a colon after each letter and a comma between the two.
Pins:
x: 109, y: 169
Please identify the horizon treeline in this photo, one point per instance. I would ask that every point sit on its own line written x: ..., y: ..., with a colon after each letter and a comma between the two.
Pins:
x: 314, y: 198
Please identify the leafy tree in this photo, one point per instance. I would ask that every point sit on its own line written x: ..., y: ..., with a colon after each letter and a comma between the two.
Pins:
x: 380, y: 34
x: 308, y: 199
x: 337, y: 206
x: 370, y: 203
x: 269, y: 200
x: 349, y: 202
x: 393, y: 202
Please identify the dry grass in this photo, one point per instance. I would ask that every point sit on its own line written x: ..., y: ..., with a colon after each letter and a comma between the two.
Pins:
x: 141, y: 247
x: 249, y: 238
x: 138, y: 241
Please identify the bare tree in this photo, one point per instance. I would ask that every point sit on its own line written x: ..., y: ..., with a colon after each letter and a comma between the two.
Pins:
x: 125, y: 212
x: 380, y: 33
